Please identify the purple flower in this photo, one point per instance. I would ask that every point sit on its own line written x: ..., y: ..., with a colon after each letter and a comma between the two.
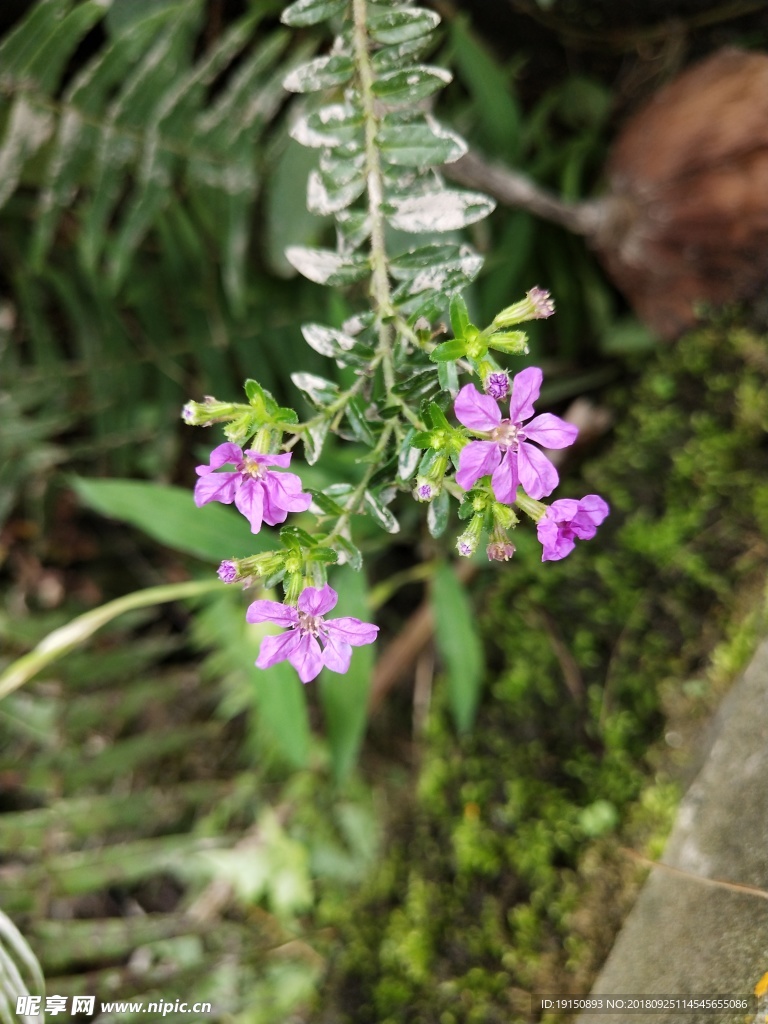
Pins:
x: 257, y: 491
x: 506, y: 455
x: 568, y: 519
x: 306, y: 626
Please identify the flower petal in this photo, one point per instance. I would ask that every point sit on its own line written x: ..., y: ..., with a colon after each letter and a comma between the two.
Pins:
x: 505, y: 480
x: 307, y: 658
x: 272, y: 611
x: 594, y: 506
x: 475, y: 410
x: 285, y: 491
x: 249, y: 500
x: 551, y: 432
x: 556, y: 544
x: 282, y: 459
x: 476, y: 459
x: 225, y: 453
x: 216, y: 487
x: 317, y: 602
x: 526, y: 386
x: 337, y: 654
x: 277, y: 648
x: 350, y: 630
x: 537, y: 474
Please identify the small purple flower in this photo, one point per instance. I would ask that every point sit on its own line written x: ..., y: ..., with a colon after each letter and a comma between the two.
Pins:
x: 506, y: 455
x: 497, y: 385
x: 500, y: 551
x: 306, y: 626
x: 257, y: 491
x: 227, y: 572
x: 188, y: 412
x: 568, y: 519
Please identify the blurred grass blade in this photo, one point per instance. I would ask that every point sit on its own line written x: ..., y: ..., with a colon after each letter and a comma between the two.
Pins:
x: 169, y: 515
x: 61, y: 641
x: 459, y: 645
x: 345, y: 697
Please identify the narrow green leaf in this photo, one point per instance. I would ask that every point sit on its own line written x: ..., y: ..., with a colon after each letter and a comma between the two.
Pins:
x: 338, y: 124
x: 327, y: 340
x: 358, y: 423
x: 325, y: 503
x: 408, y: 456
x: 345, y: 697
x: 169, y: 515
x: 437, y: 514
x: 324, y: 266
x: 459, y: 645
x: 410, y: 85
x: 438, y: 210
x: 349, y: 553
x: 314, y: 439
x: 320, y: 73
x: 401, y: 24
x: 321, y: 392
x: 449, y: 350
x: 311, y: 12
x: 381, y: 514
x: 413, y: 140
x: 459, y: 316
x: 448, y: 376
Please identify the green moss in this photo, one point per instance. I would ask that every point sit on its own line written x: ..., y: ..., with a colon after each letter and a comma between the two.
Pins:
x: 497, y: 880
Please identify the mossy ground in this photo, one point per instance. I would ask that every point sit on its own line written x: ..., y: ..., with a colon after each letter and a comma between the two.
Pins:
x: 505, y: 874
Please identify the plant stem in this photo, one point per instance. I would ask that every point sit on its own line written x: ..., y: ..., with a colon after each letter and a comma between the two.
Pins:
x: 379, y: 278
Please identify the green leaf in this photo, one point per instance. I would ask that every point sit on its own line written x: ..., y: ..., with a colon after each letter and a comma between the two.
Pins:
x: 410, y: 85
x: 351, y: 554
x: 311, y: 12
x: 380, y: 513
x: 413, y: 140
x: 438, y: 210
x: 345, y: 697
x: 459, y: 645
x: 320, y: 73
x: 401, y: 24
x: 327, y: 341
x: 314, y: 439
x: 449, y: 350
x: 168, y: 515
x: 296, y: 538
x: 408, y: 456
x: 448, y: 376
x: 321, y: 392
x: 325, y: 503
x: 437, y: 514
x: 358, y: 423
x: 338, y: 124
x: 420, y: 385
x: 459, y: 316
x: 324, y: 266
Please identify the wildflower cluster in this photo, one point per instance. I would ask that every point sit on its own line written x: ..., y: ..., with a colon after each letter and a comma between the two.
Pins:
x: 424, y: 432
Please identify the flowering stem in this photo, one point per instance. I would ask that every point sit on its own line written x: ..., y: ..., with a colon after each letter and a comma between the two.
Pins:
x: 353, y: 502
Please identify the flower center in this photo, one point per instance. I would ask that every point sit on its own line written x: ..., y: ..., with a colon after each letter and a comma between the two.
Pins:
x: 310, y: 624
x: 252, y: 468
x: 507, y: 435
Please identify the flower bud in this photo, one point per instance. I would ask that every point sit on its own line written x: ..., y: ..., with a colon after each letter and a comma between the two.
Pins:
x: 538, y: 304
x: 497, y: 385
x: 467, y: 543
x: 203, y: 414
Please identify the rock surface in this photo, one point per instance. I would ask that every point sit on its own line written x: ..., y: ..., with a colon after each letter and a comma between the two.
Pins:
x: 688, y: 937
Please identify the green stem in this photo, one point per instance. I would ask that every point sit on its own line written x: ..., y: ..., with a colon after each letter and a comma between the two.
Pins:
x: 353, y: 502
x: 375, y: 188
x: 61, y: 641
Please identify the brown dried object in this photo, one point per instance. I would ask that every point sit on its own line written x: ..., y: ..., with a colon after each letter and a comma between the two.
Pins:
x: 684, y: 225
